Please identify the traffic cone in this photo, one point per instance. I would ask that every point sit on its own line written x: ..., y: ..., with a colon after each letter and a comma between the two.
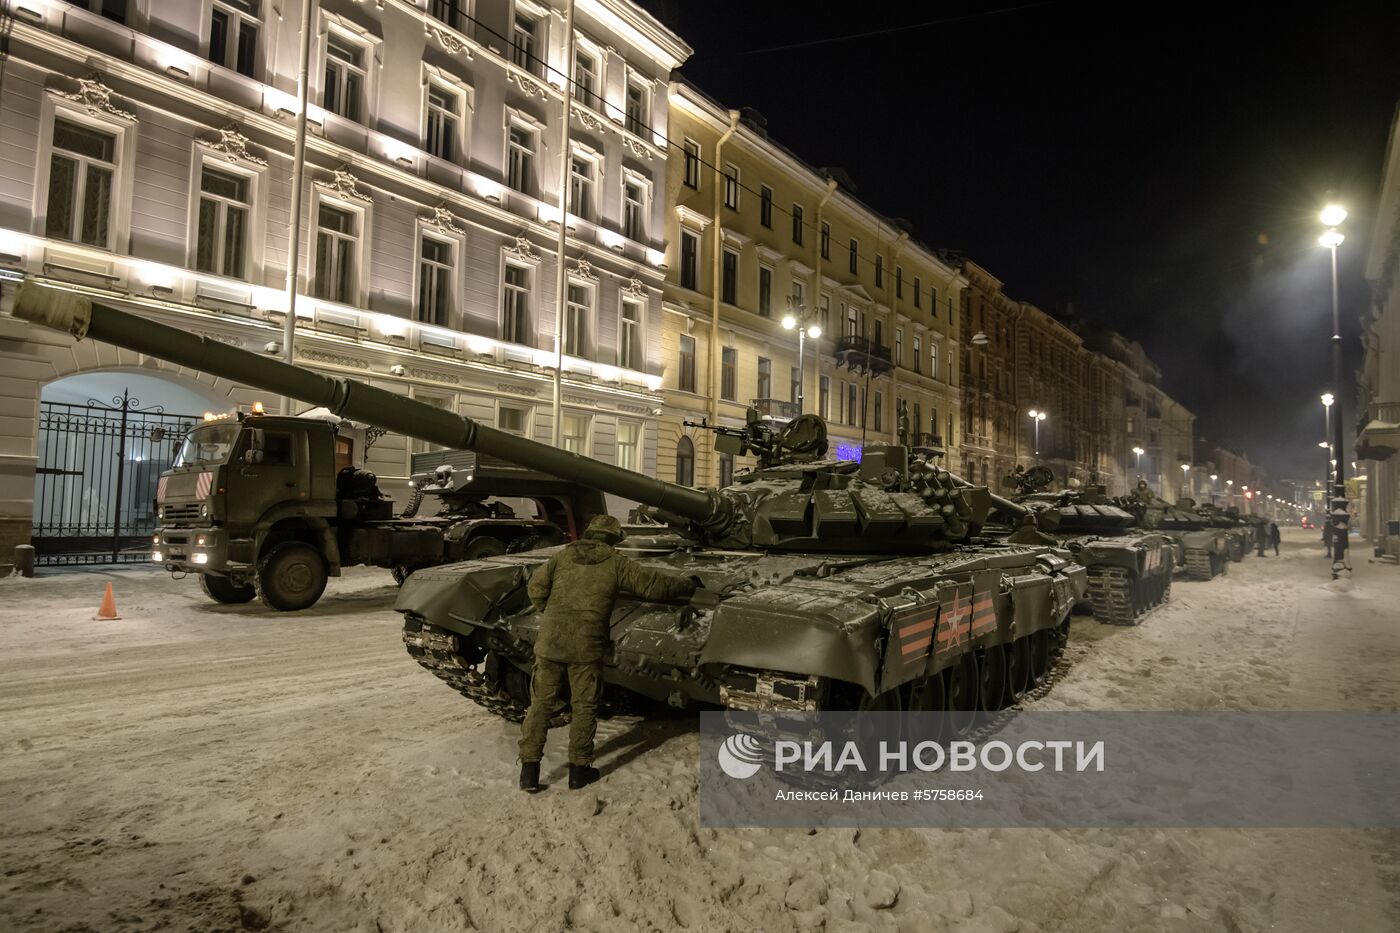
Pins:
x: 108, y: 609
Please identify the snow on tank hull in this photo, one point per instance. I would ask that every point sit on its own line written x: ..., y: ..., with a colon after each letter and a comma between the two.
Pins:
x: 769, y: 631
x: 1128, y: 575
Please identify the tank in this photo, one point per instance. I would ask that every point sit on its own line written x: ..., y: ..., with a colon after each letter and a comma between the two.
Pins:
x: 1239, y: 535
x: 1202, y: 550
x: 1129, y: 568
x: 826, y: 583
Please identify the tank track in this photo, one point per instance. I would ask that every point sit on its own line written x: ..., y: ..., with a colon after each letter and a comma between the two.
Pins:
x: 1111, y: 591
x: 1199, y: 565
x: 437, y: 650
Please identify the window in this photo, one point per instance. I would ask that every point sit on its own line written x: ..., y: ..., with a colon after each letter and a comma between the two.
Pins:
x: 826, y: 312
x: 729, y: 374
x: 765, y: 291
x: 520, y: 168
x: 899, y: 281
x: 824, y: 397
x: 337, y: 242
x: 765, y: 206
x: 629, y: 445
x: 850, y: 403
x: 82, y: 172
x: 918, y: 417
x: 221, y: 243
x: 799, y: 293
x: 826, y: 240
x: 233, y: 35
x: 685, y: 462
x: 114, y: 10
x: 948, y: 438
x: 899, y: 346
x: 440, y: 127
x: 586, y: 78
x: 515, y: 305
x: 513, y: 420
x: 344, y: 90
x: 918, y: 354
x: 855, y: 256
x: 879, y: 333
x: 933, y: 360
x: 851, y: 320
x: 765, y: 378
x: 434, y: 281
x: 580, y: 187
x: 685, y: 370
x: 1132, y: 426
x: 797, y: 224
x: 879, y: 411
x: 574, y: 434
x: 795, y: 385
x: 879, y: 271
x: 578, y: 302
x: 634, y: 210
x: 638, y: 108
x: 731, y: 186
x: 690, y: 248
x: 692, y: 164
x: 729, y: 277
x: 629, y: 338
x: 918, y: 293
x: 524, y: 39
x: 726, y: 470
x: 933, y: 301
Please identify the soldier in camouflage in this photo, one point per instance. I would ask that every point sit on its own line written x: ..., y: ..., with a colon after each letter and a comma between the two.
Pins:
x: 576, y: 591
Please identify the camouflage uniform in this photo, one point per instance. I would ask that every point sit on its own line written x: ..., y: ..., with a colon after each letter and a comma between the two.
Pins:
x: 576, y: 591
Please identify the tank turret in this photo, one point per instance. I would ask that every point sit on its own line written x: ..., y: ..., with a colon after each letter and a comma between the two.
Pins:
x: 890, y: 501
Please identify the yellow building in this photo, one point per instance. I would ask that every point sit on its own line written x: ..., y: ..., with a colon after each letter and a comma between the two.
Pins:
x: 753, y: 235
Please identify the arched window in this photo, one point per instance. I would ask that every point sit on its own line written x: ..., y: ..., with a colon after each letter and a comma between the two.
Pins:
x: 685, y: 462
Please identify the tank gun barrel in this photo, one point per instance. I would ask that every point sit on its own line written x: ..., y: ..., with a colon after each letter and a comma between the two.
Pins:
x: 1001, y: 503
x: 75, y: 314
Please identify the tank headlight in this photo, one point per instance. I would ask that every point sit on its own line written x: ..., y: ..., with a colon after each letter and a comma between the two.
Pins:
x: 204, y: 511
x: 156, y: 556
x: 200, y: 558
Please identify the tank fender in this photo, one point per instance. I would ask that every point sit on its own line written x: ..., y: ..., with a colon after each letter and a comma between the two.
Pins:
x: 832, y: 633
x: 470, y: 595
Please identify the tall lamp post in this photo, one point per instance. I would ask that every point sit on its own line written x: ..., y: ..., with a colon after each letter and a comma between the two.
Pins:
x: 1037, y: 417
x: 1332, y: 216
x: 980, y: 341
x: 799, y: 319
x: 1229, y: 492
x: 1213, y: 478
x: 1186, y: 479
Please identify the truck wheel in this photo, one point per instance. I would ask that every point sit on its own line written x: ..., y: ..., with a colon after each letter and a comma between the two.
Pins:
x: 224, y: 590
x: 485, y: 546
x: 292, y: 576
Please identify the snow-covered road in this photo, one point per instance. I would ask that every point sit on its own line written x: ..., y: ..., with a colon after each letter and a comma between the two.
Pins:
x: 203, y: 767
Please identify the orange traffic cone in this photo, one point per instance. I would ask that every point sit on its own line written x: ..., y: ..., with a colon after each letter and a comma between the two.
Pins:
x: 108, y: 609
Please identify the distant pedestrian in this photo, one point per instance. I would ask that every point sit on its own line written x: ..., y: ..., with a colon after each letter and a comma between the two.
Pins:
x: 1327, y: 539
x: 1274, y: 536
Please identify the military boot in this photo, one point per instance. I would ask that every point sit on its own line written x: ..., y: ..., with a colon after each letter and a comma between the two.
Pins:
x: 530, y: 776
x: 581, y: 776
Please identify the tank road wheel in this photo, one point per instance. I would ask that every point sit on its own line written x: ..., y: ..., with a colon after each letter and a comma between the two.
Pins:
x: 930, y: 696
x: 1059, y: 640
x: 485, y: 546
x: 292, y: 576
x: 1040, y: 657
x: 992, y: 665
x: 224, y: 590
x: 964, y: 690
x: 400, y: 573
x: 1018, y: 668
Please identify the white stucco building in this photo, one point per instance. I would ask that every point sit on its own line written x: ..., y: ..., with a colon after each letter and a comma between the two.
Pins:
x: 145, y: 156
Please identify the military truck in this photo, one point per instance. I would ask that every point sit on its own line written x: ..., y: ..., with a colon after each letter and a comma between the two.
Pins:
x: 270, y: 506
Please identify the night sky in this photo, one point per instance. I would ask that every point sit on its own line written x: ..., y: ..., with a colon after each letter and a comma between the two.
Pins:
x: 1158, y: 170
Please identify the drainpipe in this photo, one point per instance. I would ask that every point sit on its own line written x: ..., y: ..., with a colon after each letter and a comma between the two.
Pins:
x: 817, y: 290
x: 894, y: 325
x: 715, y: 267
x: 289, y: 325
x: 561, y: 275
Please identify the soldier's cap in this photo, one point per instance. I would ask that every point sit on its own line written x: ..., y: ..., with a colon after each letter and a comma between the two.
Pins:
x: 604, y: 528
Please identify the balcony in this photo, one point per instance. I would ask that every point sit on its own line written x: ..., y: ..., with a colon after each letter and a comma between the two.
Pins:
x: 925, y: 439
x: 1379, y: 437
x: 981, y: 441
x: 774, y: 409
x: 861, y: 355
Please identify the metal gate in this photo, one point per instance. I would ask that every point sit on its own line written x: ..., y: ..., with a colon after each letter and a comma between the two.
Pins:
x: 95, y: 488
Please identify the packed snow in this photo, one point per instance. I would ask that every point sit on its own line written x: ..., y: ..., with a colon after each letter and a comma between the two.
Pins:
x: 200, y: 767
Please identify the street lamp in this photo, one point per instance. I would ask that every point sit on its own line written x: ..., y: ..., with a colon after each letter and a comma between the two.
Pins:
x: 1332, y: 216
x: 1213, y: 478
x: 1186, y: 478
x: 1137, y: 455
x: 799, y: 319
x: 1037, y: 417
x: 980, y: 341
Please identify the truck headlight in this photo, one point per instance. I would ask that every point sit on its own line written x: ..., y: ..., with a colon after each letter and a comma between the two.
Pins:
x: 201, y: 541
x: 200, y: 558
x: 156, y: 556
x: 204, y: 511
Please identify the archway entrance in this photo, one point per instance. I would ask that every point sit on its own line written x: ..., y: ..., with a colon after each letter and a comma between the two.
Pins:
x: 104, y: 439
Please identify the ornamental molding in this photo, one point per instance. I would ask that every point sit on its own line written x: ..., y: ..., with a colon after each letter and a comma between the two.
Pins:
x: 335, y: 359
x: 444, y: 220
x: 523, y: 248
x: 691, y: 217
x: 232, y: 145
x: 635, y: 287
x: 94, y: 96
x: 584, y: 270
x: 588, y: 118
x: 527, y: 84
x: 433, y: 376
x: 634, y: 409
x: 344, y: 184
x: 578, y: 400
x: 517, y: 390
x: 449, y: 40
x: 637, y: 147
x: 226, y: 339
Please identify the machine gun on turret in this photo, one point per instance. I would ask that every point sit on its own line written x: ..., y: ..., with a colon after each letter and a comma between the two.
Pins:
x: 803, y: 439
